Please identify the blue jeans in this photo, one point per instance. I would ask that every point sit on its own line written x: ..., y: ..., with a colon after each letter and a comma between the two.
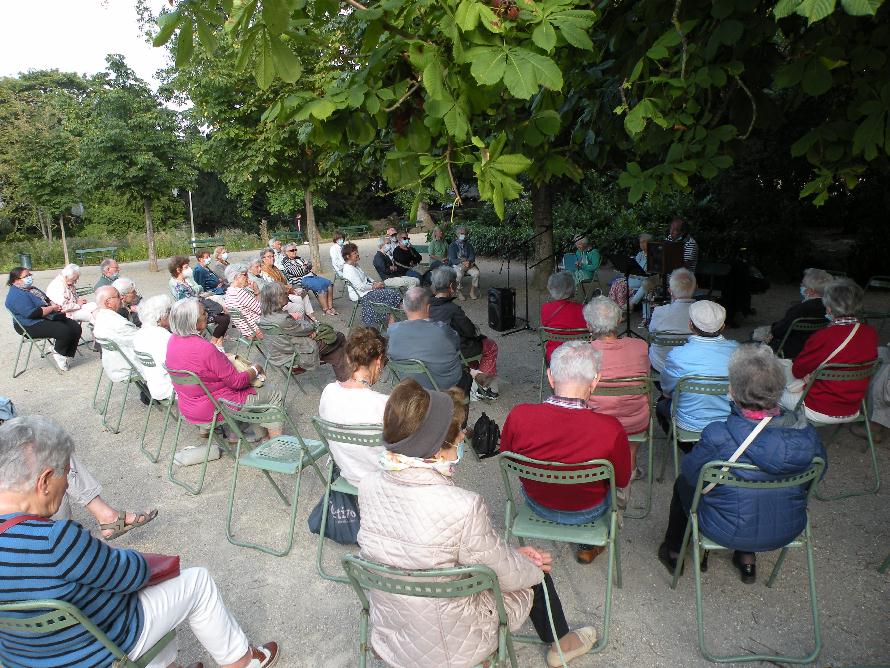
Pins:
x: 570, y: 517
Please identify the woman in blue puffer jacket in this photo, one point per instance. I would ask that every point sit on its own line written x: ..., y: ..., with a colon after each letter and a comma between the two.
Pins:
x: 747, y: 520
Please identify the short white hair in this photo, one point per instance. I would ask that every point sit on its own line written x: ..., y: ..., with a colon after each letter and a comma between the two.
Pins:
x: 70, y: 271
x: 816, y: 280
x: 561, y: 285
x: 575, y: 362
x: 233, y: 270
x: 682, y: 283
x: 184, y: 316
x: 124, y: 285
x: 602, y: 316
x: 28, y: 446
x: 155, y: 308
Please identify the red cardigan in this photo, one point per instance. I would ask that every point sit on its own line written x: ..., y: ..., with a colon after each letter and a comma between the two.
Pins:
x: 836, y: 398
x: 561, y: 314
x: 567, y: 435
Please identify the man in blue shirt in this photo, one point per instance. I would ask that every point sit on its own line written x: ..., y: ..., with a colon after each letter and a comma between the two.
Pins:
x: 462, y: 256
x: 204, y: 276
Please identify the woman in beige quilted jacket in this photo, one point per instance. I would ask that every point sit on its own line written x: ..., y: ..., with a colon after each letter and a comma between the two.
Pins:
x: 414, y: 517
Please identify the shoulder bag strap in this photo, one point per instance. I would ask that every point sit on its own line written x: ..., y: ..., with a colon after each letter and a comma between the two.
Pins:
x: 842, y: 346
x: 739, y: 450
x: 18, y: 519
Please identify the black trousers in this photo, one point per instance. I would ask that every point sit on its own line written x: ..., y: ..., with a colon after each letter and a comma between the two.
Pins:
x: 221, y: 324
x: 538, y: 614
x: 66, y: 333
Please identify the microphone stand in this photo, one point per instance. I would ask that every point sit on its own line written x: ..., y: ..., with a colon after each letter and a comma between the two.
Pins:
x: 524, y: 246
x: 628, y: 266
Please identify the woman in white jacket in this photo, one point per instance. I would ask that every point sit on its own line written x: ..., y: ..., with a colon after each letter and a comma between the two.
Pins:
x: 414, y: 517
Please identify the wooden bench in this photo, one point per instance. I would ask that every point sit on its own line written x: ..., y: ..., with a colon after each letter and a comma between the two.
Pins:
x: 288, y: 237
x: 86, y: 256
x: 209, y: 243
x: 423, y: 249
x: 355, y: 231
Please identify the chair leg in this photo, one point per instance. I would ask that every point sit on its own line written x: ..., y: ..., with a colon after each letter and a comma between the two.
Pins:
x: 364, y: 642
x: 120, y: 415
x: 613, y: 572
x: 647, y: 507
x: 156, y: 455
x: 96, y: 390
x: 151, y: 403
x: 104, y: 409
x: 321, y: 538
x: 876, y: 486
x: 172, y: 478
x: 883, y: 567
x: 682, y: 556
x: 15, y: 369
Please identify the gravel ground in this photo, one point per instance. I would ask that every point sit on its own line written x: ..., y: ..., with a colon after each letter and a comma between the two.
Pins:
x: 316, y: 621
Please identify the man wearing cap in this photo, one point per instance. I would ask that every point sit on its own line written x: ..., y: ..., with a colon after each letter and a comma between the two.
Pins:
x: 705, y: 354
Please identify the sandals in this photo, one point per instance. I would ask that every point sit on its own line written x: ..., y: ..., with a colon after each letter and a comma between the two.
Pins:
x: 265, y: 656
x: 119, y: 527
x: 331, y: 311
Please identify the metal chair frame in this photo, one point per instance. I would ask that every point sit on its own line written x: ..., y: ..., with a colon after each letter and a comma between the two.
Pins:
x: 25, y: 336
x: 402, y: 368
x: 548, y: 334
x: 800, y: 325
x: 596, y: 272
x: 286, y: 370
x: 164, y: 405
x: 665, y: 340
x: 707, y: 385
x: 110, y: 347
x: 252, y: 342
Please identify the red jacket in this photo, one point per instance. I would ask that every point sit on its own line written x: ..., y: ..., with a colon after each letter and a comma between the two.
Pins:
x: 567, y: 435
x: 837, y: 398
x: 561, y: 314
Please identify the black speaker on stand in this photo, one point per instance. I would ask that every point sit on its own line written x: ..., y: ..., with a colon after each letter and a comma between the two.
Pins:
x: 501, y: 308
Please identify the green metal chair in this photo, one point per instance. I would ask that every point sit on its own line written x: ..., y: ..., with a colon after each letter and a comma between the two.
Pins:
x: 713, y: 472
x: 665, y: 340
x: 164, y: 405
x: 801, y: 325
x: 401, y: 369
x: 523, y: 523
x: 883, y: 567
x: 23, y: 337
x: 846, y: 372
x: 365, y: 435
x: 459, y: 582
x: 714, y: 386
x: 631, y: 386
x: 50, y: 616
x: 347, y: 286
x: 384, y: 311
x: 548, y: 334
x: 287, y: 455
x: 111, y: 348
x: 251, y: 342
x: 286, y: 370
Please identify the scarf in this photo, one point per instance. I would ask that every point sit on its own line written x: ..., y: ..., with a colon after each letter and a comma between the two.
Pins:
x: 759, y: 415
x: 392, y: 461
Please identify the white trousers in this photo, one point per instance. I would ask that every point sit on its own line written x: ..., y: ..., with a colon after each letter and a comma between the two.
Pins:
x: 192, y: 596
x: 401, y: 282
x: 472, y: 272
x: 299, y: 304
x: 82, y: 488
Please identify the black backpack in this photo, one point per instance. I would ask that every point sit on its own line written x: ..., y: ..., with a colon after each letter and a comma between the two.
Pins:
x: 486, y: 437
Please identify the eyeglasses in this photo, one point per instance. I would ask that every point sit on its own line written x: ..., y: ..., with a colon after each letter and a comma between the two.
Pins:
x: 292, y: 250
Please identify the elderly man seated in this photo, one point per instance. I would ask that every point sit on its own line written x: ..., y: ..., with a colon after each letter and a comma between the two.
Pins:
x: 130, y: 299
x: 108, y: 272
x: 564, y: 429
x: 152, y: 339
x: 112, y: 326
x: 706, y: 353
x: 462, y: 256
x: 62, y: 290
x: 391, y: 274
x: 672, y: 318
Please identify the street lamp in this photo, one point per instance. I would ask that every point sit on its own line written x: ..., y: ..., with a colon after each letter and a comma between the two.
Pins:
x: 191, y: 211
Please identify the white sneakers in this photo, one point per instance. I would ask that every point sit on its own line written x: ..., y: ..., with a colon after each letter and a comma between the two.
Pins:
x: 61, y: 361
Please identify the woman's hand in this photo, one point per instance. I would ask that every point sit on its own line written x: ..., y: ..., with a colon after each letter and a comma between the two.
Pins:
x: 378, y: 285
x: 539, y: 558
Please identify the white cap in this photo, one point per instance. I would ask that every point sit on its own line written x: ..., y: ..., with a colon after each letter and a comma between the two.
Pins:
x: 707, y: 316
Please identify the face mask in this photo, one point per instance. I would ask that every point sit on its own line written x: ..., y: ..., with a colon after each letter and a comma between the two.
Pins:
x: 462, y: 237
x: 224, y: 256
x: 341, y: 242
x: 460, y: 452
x: 406, y: 243
x: 28, y: 281
x: 115, y: 276
x: 187, y: 272
x: 829, y: 317
x: 803, y: 293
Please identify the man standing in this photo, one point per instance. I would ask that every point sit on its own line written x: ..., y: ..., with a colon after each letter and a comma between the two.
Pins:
x: 462, y: 257
x: 680, y: 232
x: 109, y: 272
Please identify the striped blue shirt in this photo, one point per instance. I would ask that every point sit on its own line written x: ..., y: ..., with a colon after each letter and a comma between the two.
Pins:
x: 61, y: 560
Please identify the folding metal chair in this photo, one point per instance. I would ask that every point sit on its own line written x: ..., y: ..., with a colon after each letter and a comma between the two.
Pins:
x: 548, y: 334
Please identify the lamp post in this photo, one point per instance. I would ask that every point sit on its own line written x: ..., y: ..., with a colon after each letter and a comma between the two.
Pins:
x: 191, y: 211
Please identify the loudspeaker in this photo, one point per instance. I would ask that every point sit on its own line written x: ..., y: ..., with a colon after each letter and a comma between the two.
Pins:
x: 501, y: 308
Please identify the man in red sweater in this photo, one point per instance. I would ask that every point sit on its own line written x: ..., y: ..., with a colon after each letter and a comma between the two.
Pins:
x: 563, y: 429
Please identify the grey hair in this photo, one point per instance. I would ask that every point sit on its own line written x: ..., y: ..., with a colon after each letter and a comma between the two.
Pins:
x: 104, y: 264
x: 645, y: 236
x: 756, y: 378
x: 443, y: 277
x: 273, y: 296
x: 416, y: 299
x: 70, y: 271
x: 124, y: 285
x: 584, y: 241
x: 561, y: 285
x: 575, y: 362
x: 682, y: 283
x: 382, y: 241
x: 184, y: 316
x: 290, y: 246
x: 816, y: 280
x: 28, y: 446
x: 460, y: 229
x: 843, y: 296
x: 272, y: 240
x: 104, y: 293
x: 232, y: 271
x: 602, y: 316
x: 265, y: 252
x: 155, y: 308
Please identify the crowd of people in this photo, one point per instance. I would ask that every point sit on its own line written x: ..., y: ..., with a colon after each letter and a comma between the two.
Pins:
x: 413, y: 515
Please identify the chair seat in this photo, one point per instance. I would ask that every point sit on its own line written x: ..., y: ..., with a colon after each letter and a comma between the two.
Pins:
x: 642, y: 437
x: 282, y: 454
x: 707, y: 544
x: 688, y: 436
x: 343, y: 485
x: 527, y: 524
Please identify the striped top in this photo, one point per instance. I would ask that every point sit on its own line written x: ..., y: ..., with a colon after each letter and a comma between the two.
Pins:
x: 246, y: 302
x: 61, y: 560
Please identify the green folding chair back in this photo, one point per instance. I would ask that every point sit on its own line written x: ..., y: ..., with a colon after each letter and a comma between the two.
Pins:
x: 714, y: 386
x: 355, y: 304
x: 109, y: 347
x: 271, y: 329
x: 725, y: 473
x: 252, y: 341
x: 801, y: 325
x: 841, y: 373
x: 364, y: 435
x: 548, y: 334
x: 385, y: 311
x: 522, y: 522
x: 667, y: 339
x: 49, y: 616
x: 440, y: 583
x: 23, y: 337
x: 165, y: 405
x: 401, y: 369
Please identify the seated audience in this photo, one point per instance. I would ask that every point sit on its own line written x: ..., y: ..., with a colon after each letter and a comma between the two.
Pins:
x: 152, y: 339
x: 679, y: 232
x: 672, y: 318
x: 563, y: 312
x: 587, y: 261
x: 243, y: 297
x: 298, y: 297
x: 438, y: 249
x: 563, y: 429
x: 204, y: 276
x: 112, y: 326
x: 878, y: 401
x: 62, y: 290
x: 336, y: 251
x: 747, y: 520
x: 109, y: 271
x: 189, y: 351
x: 353, y: 402
x: 844, y: 341
x: 407, y: 259
x: 69, y: 564
x: 390, y: 273
x: 299, y: 335
x: 362, y: 289
x: 462, y: 256
x: 472, y: 342
x: 705, y: 354
x: 182, y: 286
x: 220, y: 262
x: 275, y: 247
x: 637, y: 286
x: 40, y: 317
x: 129, y: 307
x: 422, y: 430
x: 300, y: 275
x: 811, y: 288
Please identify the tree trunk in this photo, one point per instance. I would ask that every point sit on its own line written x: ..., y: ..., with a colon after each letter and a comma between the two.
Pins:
x: 264, y: 231
x: 150, y: 236
x: 542, y: 219
x: 423, y: 216
x: 312, y: 230
x: 40, y: 224
x: 64, y: 240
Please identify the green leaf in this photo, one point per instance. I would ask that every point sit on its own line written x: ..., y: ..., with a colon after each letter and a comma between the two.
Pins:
x: 488, y: 64
x: 804, y: 144
x: 276, y: 15
x: 286, y: 62
x: 545, y: 37
x: 359, y: 130
x: 573, y: 24
x: 246, y: 50
x: 789, y: 75
x: 729, y: 32
x: 722, y: 161
x: 489, y: 19
x: 861, y: 7
x: 166, y: 25
x: 511, y: 163
x: 722, y: 8
x: 816, y: 78
x: 434, y: 79
x: 319, y: 108
x: 467, y: 15
x: 785, y: 8
x: 497, y: 200
x: 548, y: 122
x: 372, y: 103
x: 815, y: 10
x: 525, y: 72
x: 205, y: 34
x: 264, y: 68
x: 635, y: 121
x: 185, y: 44
x: 456, y: 122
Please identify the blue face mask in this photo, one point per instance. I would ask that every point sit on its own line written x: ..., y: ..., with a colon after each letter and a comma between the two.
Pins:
x: 406, y: 242
x: 28, y: 281
x: 462, y: 237
x: 340, y: 242
x: 829, y: 317
x: 460, y: 452
x: 803, y: 293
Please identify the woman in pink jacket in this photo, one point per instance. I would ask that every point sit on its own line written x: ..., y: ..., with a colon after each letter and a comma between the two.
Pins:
x: 414, y: 517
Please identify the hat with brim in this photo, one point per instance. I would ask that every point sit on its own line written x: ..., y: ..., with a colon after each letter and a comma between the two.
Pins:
x: 427, y: 440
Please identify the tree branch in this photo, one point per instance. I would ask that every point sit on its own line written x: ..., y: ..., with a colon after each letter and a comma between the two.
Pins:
x: 404, y: 97
x: 389, y: 26
x: 676, y: 21
x: 753, y: 106
x: 457, y: 199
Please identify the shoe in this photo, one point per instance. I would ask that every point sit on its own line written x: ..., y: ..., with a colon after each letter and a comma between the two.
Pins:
x: 489, y: 393
x: 877, y: 431
x: 297, y: 370
x: 586, y: 634
x: 482, y: 380
x: 703, y: 565
x: 670, y: 563
x: 586, y: 555
x: 638, y: 474
x: 476, y: 393
x: 61, y: 361
x: 265, y: 656
x: 747, y: 571
x: 474, y: 294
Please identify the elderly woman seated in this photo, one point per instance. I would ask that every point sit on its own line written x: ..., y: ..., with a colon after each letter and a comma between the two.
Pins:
x: 621, y: 358
x: 300, y: 275
x: 152, y: 339
x: 363, y: 290
x: 183, y: 287
x: 587, y: 261
x: 290, y: 334
x: 269, y: 273
x: 62, y: 290
x: 189, y: 351
x: 414, y: 491
x: 66, y: 563
x: 747, y: 520
x: 243, y: 296
x: 563, y: 312
x: 636, y: 287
